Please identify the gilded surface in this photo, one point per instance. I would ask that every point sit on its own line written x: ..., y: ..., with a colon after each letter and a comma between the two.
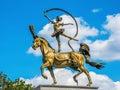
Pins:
x: 58, y: 30
x: 74, y: 60
x: 51, y: 58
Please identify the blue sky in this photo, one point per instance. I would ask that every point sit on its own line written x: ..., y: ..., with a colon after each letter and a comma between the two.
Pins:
x: 15, y: 38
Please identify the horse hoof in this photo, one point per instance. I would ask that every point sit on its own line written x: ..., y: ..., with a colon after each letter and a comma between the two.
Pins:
x: 88, y: 85
x: 54, y: 83
x: 45, y: 77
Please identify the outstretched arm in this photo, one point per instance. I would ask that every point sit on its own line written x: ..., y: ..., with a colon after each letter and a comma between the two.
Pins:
x: 66, y: 24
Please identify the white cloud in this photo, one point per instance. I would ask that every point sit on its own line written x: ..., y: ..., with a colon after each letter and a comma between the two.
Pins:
x: 107, y: 49
x: 96, y: 10
x: 36, y: 52
x: 84, y: 31
x: 103, y: 32
x: 65, y: 77
x: 117, y: 85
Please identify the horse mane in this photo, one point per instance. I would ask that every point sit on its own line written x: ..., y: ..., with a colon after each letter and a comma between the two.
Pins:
x: 85, y: 50
x: 87, y: 47
x: 47, y: 43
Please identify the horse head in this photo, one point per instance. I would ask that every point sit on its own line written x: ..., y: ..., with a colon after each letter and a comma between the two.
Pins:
x: 36, y: 43
x: 37, y: 40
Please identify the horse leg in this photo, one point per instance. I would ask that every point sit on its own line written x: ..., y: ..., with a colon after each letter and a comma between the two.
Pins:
x: 47, y: 64
x: 76, y: 75
x: 52, y: 74
x: 87, y: 74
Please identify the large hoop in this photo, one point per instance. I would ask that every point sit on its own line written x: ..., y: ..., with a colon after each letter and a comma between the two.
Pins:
x: 52, y: 9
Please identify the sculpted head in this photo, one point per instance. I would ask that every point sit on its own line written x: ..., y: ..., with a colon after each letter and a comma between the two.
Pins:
x: 58, y: 18
x: 36, y: 43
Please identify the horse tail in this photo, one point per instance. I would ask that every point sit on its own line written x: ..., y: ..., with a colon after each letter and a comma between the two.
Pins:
x: 84, y: 49
x: 95, y: 64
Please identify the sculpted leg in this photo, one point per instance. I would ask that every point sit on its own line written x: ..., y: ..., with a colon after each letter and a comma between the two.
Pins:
x: 47, y: 64
x: 58, y: 41
x: 75, y: 76
x: 88, y: 76
x: 52, y: 74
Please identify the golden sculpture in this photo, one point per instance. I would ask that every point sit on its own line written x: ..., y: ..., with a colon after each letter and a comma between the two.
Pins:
x: 59, y: 31
x: 57, y: 24
x: 52, y: 58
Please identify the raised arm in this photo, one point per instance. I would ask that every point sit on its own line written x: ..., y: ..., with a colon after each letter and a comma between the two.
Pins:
x: 49, y: 19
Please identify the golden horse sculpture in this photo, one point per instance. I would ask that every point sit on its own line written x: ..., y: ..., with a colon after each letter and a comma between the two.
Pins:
x: 52, y: 58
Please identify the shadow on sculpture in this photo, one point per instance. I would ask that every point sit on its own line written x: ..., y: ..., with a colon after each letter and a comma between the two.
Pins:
x: 74, y: 60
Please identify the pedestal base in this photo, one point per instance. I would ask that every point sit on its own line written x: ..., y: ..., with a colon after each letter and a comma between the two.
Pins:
x: 50, y: 87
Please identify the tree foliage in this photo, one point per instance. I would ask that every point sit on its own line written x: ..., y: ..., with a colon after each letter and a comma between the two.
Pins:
x: 7, y: 84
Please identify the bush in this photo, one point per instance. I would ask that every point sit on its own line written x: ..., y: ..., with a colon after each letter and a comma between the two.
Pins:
x: 7, y: 84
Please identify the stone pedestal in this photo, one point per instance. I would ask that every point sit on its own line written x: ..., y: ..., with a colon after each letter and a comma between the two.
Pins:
x: 50, y: 87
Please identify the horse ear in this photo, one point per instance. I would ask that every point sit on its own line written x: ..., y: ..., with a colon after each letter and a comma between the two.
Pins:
x: 31, y: 28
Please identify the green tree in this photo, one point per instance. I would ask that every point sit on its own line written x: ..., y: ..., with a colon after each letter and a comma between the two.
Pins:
x: 7, y: 84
